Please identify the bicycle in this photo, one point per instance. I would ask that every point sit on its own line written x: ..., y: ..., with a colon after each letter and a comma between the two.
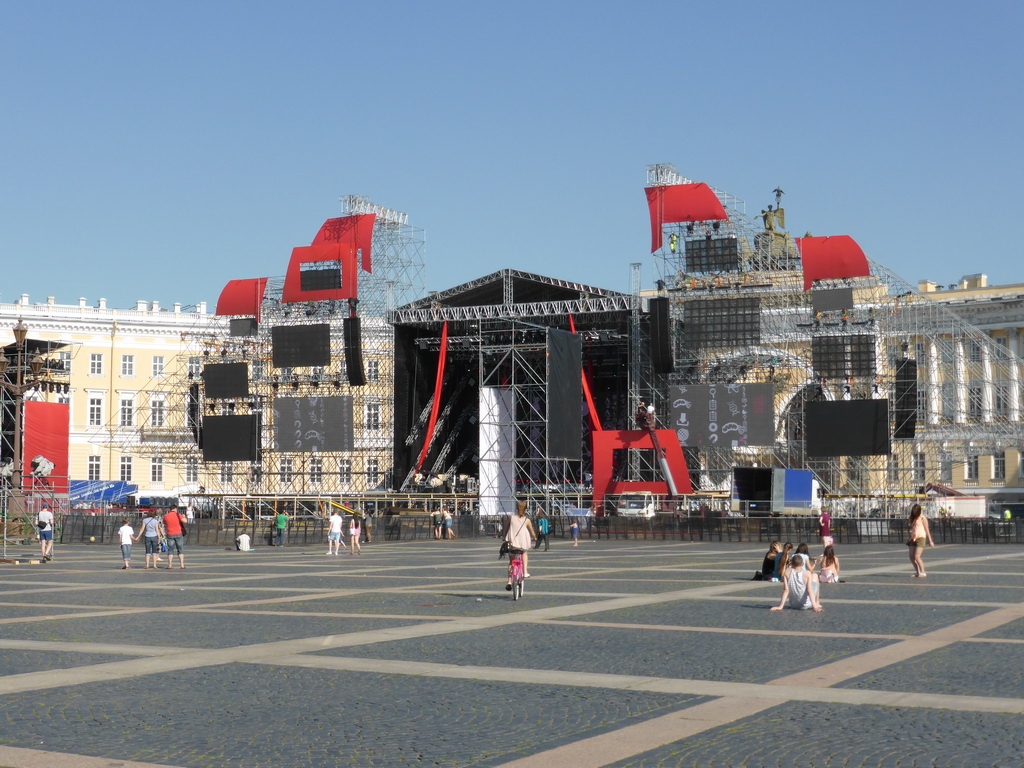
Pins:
x: 516, y: 573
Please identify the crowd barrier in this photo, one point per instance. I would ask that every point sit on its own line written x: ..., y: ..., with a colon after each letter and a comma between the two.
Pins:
x: 102, y: 529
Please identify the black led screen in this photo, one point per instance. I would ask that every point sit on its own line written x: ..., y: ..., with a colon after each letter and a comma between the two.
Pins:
x: 297, y: 346
x: 847, y: 427
x: 244, y: 326
x: 230, y: 438
x: 565, y: 395
x: 836, y: 357
x: 226, y: 380
x: 831, y: 299
x: 714, y: 254
x: 320, y: 276
x: 313, y: 424
x: 722, y: 322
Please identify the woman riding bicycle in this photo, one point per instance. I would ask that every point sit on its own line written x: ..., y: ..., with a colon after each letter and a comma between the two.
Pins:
x: 520, y: 535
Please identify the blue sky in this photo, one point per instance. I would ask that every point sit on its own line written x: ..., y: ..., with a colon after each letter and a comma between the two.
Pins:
x: 157, y: 150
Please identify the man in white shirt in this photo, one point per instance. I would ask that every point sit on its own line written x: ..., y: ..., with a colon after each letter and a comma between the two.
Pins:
x: 334, y: 533
x: 44, y: 521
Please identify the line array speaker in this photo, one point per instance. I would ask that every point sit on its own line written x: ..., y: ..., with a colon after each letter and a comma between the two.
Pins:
x: 661, y: 335
x: 354, y: 352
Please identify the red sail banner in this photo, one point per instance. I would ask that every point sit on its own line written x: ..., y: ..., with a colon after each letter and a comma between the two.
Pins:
x: 436, y: 407
x: 46, y: 434
x: 681, y: 202
x: 242, y: 297
x: 595, y: 421
x: 343, y: 243
x: 832, y: 257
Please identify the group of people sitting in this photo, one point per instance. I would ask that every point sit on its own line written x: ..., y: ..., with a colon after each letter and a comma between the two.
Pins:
x: 799, y: 573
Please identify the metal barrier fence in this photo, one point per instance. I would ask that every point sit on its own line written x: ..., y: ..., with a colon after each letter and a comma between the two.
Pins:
x: 301, y: 532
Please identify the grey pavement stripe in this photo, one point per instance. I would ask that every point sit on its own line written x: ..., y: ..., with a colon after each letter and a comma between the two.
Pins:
x: 682, y: 686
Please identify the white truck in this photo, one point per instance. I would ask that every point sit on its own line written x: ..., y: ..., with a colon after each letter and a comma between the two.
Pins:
x: 636, y: 505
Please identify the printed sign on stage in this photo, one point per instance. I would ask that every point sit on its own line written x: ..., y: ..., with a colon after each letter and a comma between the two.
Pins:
x: 723, y: 414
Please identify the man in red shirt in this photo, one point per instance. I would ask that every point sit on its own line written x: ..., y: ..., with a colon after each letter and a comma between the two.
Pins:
x: 174, y: 523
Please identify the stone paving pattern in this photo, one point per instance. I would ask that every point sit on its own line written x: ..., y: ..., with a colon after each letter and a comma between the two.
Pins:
x: 622, y: 653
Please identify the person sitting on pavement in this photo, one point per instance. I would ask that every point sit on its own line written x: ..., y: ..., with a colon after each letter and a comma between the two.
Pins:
x: 799, y: 588
x: 768, y: 564
x: 829, y: 564
x: 781, y: 562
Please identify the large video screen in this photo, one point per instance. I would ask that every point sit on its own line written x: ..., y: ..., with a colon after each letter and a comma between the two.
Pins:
x: 313, y: 424
x: 723, y: 414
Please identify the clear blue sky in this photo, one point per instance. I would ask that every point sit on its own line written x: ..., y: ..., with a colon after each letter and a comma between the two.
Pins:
x: 157, y: 150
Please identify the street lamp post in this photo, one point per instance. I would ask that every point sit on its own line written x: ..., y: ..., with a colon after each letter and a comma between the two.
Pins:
x: 22, y: 383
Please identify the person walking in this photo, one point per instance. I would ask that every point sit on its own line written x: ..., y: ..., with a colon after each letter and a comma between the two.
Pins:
x: 520, y: 534
x: 825, y: 528
x: 280, y: 528
x: 367, y: 526
x: 334, y: 523
x: 44, y: 522
x: 920, y: 534
x: 353, y: 536
x: 152, y: 533
x: 127, y: 535
x: 173, y: 522
x: 543, y: 527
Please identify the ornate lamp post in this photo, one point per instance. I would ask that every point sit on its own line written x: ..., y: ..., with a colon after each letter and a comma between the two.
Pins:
x: 22, y: 383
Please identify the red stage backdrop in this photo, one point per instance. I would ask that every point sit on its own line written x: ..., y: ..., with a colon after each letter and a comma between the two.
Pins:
x: 831, y: 257
x: 681, y: 202
x: 46, y: 434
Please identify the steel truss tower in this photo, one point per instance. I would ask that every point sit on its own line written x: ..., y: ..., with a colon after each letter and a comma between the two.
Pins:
x: 968, y: 386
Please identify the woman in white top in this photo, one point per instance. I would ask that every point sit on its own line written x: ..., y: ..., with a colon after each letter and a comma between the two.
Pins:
x: 520, y: 533
x: 353, y: 536
x: 799, y: 587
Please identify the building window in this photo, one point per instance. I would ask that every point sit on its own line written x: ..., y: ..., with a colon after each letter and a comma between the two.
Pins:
x: 195, y: 367
x: 894, y: 471
x: 158, y: 366
x: 64, y: 398
x: 191, y: 470
x: 316, y: 470
x: 126, y: 469
x: 973, y: 351
x: 156, y: 470
x: 65, y: 361
x: 971, y: 468
x: 920, y: 470
x: 95, y: 468
x: 945, y: 468
x: 1002, y: 347
x: 127, y: 365
x: 1001, y: 398
x: 999, y: 466
x: 372, y: 473
x: 948, y: 400
x: 345, y: 471
x: 287, y: 474
x: 127, y: 412
x: 258, y: 370
x: 975, y: 400
x: 157, y: 410
x: 921, y: 354
x: 227, y: 472
x: 372, y: 415
x: 373, y: 370
x: 95, y: 364
x: 95, y: 411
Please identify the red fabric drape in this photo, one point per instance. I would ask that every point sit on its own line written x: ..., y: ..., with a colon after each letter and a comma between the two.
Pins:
x: 595, y: 421
x: 681, y: 202
x: 341, y: 240
x: 356, y: 229
x: 437, y: 397
x: 242, y: 297
x: 831, y: 257
x: 46, y: 434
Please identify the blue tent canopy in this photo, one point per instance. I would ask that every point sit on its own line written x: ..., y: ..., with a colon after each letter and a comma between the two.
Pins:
x: 108, y: 491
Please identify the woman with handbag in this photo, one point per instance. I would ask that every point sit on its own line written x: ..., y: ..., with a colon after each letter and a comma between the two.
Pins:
x: 520, y: 534
x: 919, y: 535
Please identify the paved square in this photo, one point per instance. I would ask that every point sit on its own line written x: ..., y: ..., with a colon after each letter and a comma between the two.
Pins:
x: 620, y: 654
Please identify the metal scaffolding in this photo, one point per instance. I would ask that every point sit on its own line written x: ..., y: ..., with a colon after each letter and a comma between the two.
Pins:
x: 968, y: 385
